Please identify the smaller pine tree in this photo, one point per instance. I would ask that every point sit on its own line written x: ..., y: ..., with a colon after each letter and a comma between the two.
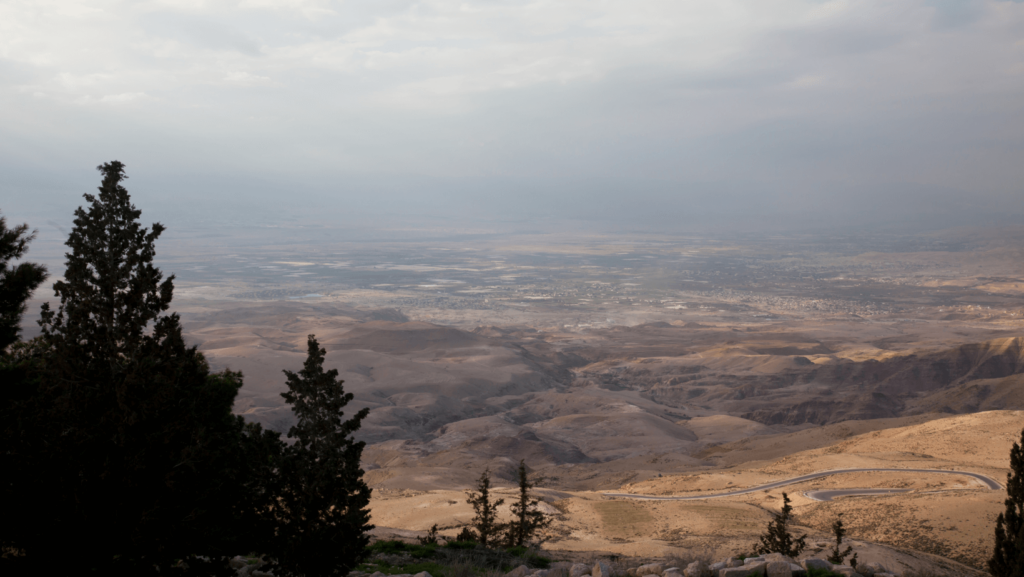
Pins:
x: 1008, y: 557
x: 17, y: 282
x: 486, y: 520
x: 527, y: 519
x: 777, y: 538
x: 838, y: 554
x: 324, y: 506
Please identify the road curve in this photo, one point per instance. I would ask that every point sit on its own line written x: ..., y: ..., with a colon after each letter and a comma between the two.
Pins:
x: 991, y: 484
x: 829, y: 495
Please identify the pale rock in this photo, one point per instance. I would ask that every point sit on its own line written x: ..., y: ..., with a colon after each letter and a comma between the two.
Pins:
x: 752, y: 570
x: 631, y: 572
x: 812, y: 563
x: 650, y: 568
x: 846, y: 570
x: 777, y: 557
x: 262, y: 574
x: 733, y: 563
x: 601, y: 569
x: 797, y: 570
x: 752, y: 560
x: 423, y: 574
x: 653, y: 575
x: 539, y: 573
x: 520, y: 571
x: 778, y: 569
x: 716, y: 567
x: 671, y: 572
x: 238, y: 562
x: 578, y: 570
x: 697, y: 569
x: 866, y: 570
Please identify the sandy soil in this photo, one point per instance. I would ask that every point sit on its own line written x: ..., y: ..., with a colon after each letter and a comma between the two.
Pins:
x: 947, y: 516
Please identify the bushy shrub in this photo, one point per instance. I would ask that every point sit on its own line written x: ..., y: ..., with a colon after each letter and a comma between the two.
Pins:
x: 467, y: 535
x: 777, y: 538
x: 431, y: 537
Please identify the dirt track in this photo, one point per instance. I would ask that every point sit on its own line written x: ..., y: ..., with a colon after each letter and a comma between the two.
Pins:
x: 827, y: 495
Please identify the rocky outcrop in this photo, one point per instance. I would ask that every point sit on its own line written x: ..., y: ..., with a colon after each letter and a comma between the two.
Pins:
x: 770, y: 565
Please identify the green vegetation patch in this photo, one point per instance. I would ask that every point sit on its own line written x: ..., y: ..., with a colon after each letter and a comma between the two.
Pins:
x: 446, y: 558
x: 435, y: 569
x: 394, y: 547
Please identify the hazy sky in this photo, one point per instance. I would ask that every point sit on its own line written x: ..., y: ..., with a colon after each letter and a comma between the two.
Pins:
x: 647, y: 108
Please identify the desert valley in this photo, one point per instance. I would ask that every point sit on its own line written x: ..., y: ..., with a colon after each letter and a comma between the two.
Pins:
x: 648, y: 365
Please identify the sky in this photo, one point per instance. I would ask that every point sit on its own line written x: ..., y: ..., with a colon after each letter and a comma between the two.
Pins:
x: 646, y: 112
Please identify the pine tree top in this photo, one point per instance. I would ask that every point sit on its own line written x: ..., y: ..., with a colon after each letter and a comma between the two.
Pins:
x: 111, y: 291
x: 16, y: 282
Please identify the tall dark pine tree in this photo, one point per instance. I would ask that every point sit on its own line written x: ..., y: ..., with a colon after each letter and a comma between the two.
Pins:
x: 137, y: 463
x: 777, y: 539
x: 323, y: 517
x: 1008, y: 557
x: 527, y: 519
x: 16, y: 281
x: 485, y: 521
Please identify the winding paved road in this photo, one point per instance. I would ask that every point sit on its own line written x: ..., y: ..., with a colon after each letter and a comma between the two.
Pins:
x: 829, y: 495
x: 817, y: 495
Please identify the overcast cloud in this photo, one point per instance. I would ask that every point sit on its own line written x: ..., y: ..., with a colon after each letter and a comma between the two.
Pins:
x: 591, y: 109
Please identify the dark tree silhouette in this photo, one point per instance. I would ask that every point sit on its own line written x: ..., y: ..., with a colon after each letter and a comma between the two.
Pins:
x: 129, y: 457
x: 1008, y: 556
x: 466, y: 535
x: 323, y: 518
x: 485, y: 522
x: 431, y: 537
x: 777, y: 538
x: 16, y: 281
x: 837, y: 555
x: 527, y: 519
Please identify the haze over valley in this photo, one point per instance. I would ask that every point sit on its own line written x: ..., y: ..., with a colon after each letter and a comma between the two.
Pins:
x: 642, y: 363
